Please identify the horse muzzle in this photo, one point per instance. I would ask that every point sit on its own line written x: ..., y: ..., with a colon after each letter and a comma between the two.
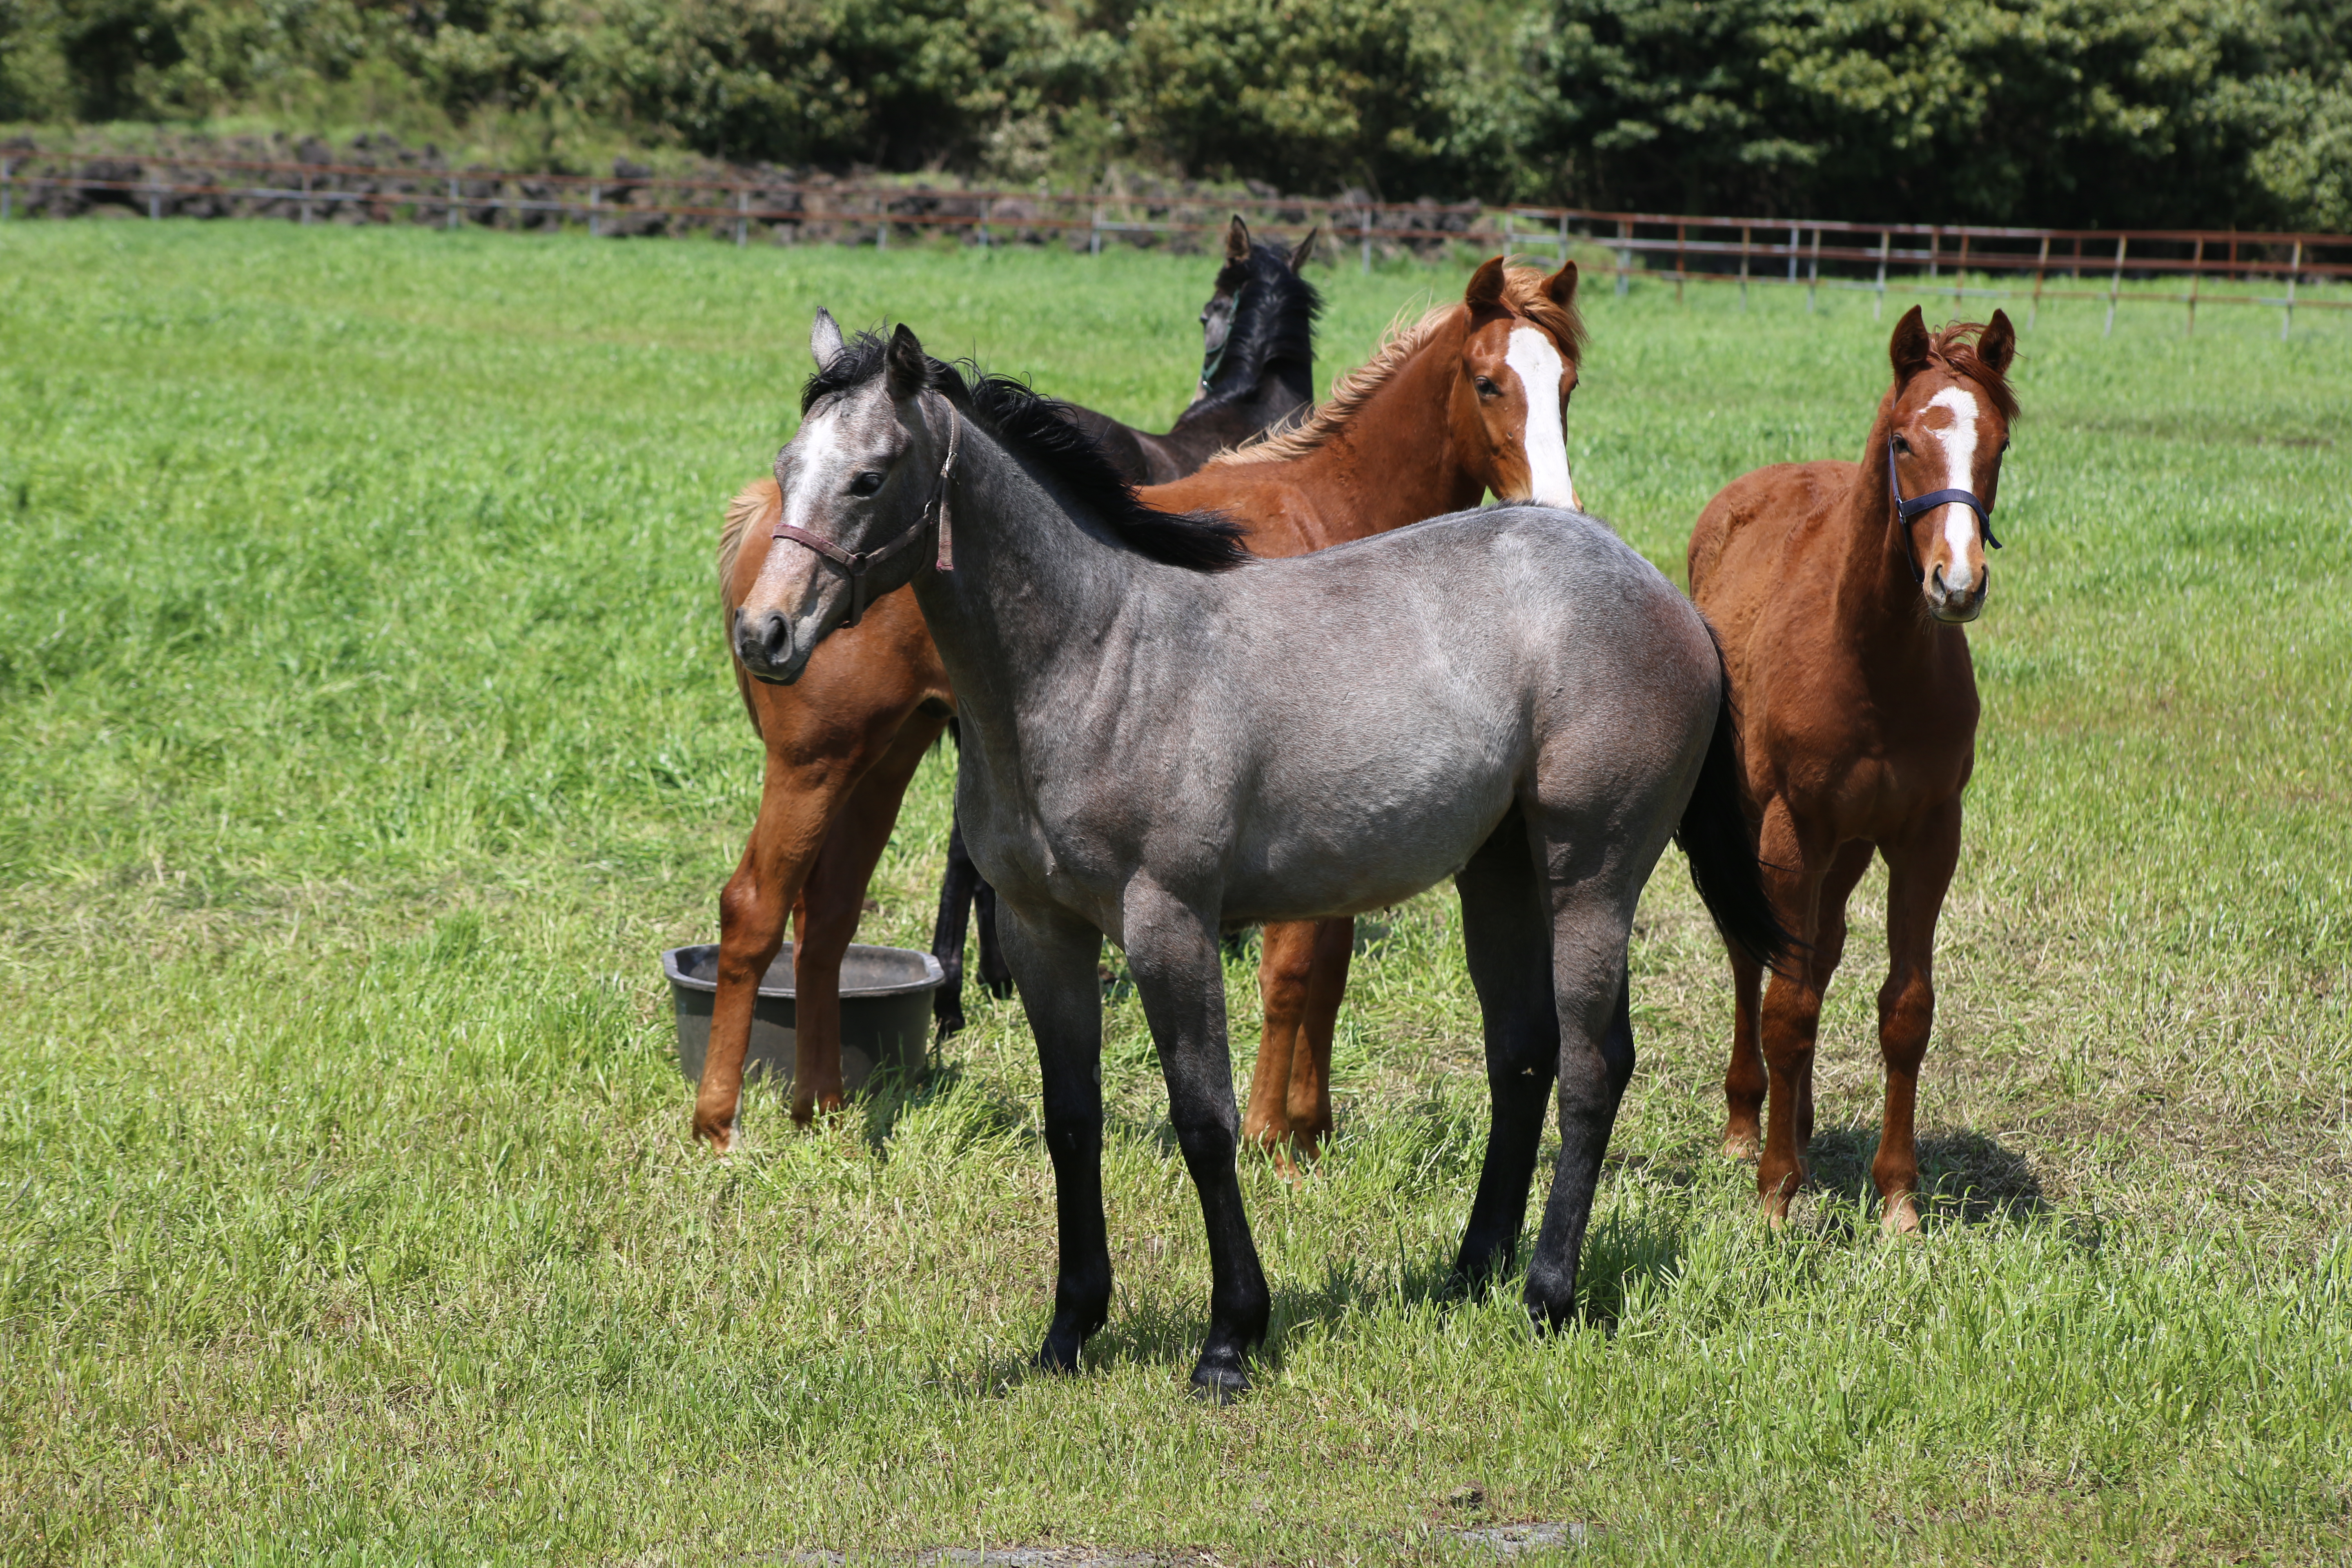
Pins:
x: 766, y: 646
x: 1956, y: 606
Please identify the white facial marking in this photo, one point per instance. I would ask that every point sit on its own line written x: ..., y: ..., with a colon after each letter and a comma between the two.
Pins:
x: 813, y: 461
x: 1536, y: 358
x: 1959, y: 440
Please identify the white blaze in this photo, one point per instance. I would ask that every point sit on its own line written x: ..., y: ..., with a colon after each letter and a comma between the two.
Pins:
x: 1959, y: 439
x: 1537, y: 361
x: 813, y: 460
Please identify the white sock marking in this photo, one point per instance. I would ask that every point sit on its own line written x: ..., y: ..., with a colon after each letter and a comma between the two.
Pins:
x: 1536, y: 358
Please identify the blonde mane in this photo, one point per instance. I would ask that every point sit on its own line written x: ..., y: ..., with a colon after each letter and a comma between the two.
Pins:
x: 1522, y: 291
x: 753, y: 500
x: 752, y: 503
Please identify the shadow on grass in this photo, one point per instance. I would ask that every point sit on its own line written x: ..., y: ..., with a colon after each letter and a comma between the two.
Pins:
x: 1965, y: 1177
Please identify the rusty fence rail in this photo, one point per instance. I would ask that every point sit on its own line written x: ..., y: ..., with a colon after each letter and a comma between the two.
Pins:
x: 2029, y: 265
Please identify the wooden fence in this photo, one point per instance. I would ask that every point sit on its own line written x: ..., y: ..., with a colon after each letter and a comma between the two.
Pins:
x: 2163, y: 266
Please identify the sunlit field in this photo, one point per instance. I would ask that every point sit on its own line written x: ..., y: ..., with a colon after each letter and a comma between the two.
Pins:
x: 365, y: 732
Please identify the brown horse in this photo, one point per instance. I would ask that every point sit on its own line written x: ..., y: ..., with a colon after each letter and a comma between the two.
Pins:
x: 1840, y: 590
x: 1460, y: 403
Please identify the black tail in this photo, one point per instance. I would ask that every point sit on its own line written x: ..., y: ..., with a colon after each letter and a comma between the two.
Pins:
x: 1715, y: 836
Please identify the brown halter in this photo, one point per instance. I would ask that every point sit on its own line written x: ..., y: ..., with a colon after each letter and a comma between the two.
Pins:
x: 856, y: 562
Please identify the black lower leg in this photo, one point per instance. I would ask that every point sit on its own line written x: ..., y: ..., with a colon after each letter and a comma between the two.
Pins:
x: 957, y: 887
x: 1592, y: 1082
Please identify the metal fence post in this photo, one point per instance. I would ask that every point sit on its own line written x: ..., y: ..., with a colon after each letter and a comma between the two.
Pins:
x: 1935, y: 250
x: 456, y: 213
x: 1744, y: 232
x: 1563, y: 240
x: 1367, y: 224
x: 1094, y: 233
x: 2196, y: 276
x: 743, y: 217
x: 1814, y: 273
x: 1878, y: 300
x: 2115, y: 283
x: 2286, y: 321
x: 596, y: 199
x: 1961, y: 273
x: 1795, y: 244
x: 306, y: 198
x: 2033, y: 311
x: 1682, y: 233
x: 1625, y: 258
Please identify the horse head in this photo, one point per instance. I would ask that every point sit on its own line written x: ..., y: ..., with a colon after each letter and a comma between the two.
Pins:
x: 1243, y: 325
x: 1942, y: 430
x: 1520, y: 346
x: 862, y: 485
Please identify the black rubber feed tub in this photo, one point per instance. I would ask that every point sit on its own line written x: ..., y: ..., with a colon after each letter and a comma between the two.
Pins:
x: 886, y: 1012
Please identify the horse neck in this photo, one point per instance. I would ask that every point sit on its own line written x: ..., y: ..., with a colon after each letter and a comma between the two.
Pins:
x: 1396, y: 461
x: 1233, y: 414
x: 1876, y: 607
x: 1032, y: 584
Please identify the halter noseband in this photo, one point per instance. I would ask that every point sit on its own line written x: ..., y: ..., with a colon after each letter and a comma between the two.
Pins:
x: 856, y: 562
x: 1905, y: 510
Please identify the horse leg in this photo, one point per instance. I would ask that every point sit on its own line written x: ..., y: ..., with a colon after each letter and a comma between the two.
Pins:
x: 1286, y: 964
x: 1743, y: 1080
x: 957, y: 887
x: 1173, y: 953
x: 1790, y: 1020
x: 995, y: 972
x: 1053, y: 957
x: 1310, y: 1063
x: 796, y: 804
x: 1508, y: 942
x: 832, y: 902
x: 1919, y: 872
x: 1846, y: 868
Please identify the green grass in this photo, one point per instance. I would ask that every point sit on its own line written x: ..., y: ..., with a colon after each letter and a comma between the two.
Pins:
x: 367, y: 733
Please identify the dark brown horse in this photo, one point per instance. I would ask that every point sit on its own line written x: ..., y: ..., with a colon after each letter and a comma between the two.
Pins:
x: 845, y: 740
x: 1840, y: 590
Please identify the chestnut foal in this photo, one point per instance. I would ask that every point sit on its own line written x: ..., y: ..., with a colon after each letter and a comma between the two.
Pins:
x: 1840, y: 590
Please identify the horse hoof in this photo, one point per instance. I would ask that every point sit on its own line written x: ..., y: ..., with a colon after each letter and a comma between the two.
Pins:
x: 1741, y: 1144
x: 1220, y: 1381
x: 1058, y: 1355
x: 719, y: 1140
x: 1900, y: 1216
x: 950, y: 1024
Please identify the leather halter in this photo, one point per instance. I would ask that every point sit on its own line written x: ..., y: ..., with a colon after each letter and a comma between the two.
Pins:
x: 857, y: 563
x: 1905, y: 511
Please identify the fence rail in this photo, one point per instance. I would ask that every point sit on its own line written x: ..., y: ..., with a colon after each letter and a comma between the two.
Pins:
x: 1679, y: 249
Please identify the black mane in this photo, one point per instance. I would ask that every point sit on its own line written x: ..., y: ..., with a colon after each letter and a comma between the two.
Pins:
x: 1040, y: 429
x: 1275, y: 310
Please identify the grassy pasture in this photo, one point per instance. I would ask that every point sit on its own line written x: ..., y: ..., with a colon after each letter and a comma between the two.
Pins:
x: 367, y: 733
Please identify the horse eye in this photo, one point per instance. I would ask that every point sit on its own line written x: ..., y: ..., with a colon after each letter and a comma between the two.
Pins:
x: 865, y: 484
x: 1901, y: 445
x: 1486, y: 387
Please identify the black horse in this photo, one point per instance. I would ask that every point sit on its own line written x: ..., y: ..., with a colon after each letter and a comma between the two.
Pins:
x: 1257, y: 374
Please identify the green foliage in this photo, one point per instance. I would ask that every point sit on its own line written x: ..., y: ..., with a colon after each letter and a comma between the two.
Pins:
x: 2058, y: 111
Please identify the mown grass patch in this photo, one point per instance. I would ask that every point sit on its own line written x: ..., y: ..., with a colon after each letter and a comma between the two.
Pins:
x: 367, y: 733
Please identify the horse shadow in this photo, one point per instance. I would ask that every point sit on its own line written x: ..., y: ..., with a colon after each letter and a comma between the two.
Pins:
x: 1965, y: 1176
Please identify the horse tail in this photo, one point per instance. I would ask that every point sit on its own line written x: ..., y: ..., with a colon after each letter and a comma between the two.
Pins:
x: 759, y: 496
x: 1716, y: 838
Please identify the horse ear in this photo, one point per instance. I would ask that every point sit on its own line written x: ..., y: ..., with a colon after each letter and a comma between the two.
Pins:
x: 1298, y: 258
x: 1560, y: 286
x: 1908, y: 347
x: 1485, y: 286
x: 908, y: 371
x: 1238, y: 240
x: 1997, y: 346
x: 824, y: 338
